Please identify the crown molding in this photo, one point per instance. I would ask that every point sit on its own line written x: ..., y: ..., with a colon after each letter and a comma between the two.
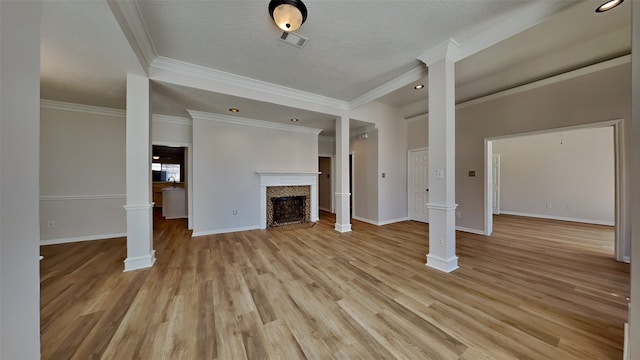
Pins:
x: 415, y: 74
x: 89, y: 109
x: 449, y: 49
x: 236, y: 120
x: 221, y: 77
x: 127, y: 14
x: 625, y: 59
x: 168, y: 119
x: 607, y: 64
x: 507, y: 26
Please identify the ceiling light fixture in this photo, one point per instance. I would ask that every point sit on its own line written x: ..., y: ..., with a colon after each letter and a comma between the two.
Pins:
x: 288, y: 14
x: 418, y: 87
x: 156, y: 157
x: 234, y: 110
x: 294, y: 120
x: 608, y: 5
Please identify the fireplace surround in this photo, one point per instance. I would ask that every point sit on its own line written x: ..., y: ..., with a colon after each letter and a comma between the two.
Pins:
x: 295, y: 180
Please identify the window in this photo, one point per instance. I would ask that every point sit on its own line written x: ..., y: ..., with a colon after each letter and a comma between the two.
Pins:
x: 165, y: 172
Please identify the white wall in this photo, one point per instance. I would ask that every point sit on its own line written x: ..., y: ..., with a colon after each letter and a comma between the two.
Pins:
x: 418, y: 132
x: 82, y: 173
x: 19, y: 144
x: 365, y: 177
x: 226, y: 157
x: 392, y: 159
x: 171, y: 130
x: 567, y: 175
x: 326, y: 145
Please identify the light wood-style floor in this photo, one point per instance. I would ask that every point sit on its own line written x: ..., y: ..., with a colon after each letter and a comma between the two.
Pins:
x: 537, y: 289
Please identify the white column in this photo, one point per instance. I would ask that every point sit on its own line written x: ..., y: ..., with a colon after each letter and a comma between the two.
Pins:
x: 140, y: 253
x: 343, y: 195
x: 19, y: 179
x: 634, y: 316
x: 442, y: 127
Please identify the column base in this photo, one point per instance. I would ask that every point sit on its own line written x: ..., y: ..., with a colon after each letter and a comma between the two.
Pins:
x: 444, y: 265
x: 343, y: 228
x: 140, y: 262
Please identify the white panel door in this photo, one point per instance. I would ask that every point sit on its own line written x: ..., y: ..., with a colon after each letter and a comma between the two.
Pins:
x: 495, y: 184
x: 419, y: 185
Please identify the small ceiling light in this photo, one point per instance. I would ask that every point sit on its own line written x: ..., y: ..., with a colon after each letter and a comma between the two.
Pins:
x: 234, y: 110
x: 608, y: 5
x: 288, y: 14
x: 418, y: 87
x: 294, y: 120
x: 156, y: 157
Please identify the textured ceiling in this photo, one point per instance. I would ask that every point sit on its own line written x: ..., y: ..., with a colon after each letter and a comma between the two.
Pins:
x: 354, y: 47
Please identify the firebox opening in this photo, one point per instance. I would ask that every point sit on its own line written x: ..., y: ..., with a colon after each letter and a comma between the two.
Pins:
x: 289, y: 210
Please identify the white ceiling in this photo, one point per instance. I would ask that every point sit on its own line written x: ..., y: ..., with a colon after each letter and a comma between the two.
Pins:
x: 355, y: 49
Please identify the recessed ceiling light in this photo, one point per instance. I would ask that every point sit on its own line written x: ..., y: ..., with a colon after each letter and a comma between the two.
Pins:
x: 418, y: 87
x: 608, y: 5
x: 156, y: 157
x: 294, y: 120
x: 234, y: 110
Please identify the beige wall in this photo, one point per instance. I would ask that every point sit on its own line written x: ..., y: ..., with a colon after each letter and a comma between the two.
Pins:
x: 596, y: 97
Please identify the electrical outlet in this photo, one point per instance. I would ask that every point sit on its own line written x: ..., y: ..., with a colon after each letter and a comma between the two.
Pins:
x: 50, y: 224
x: 548, y: 205
x: 235, y: 212
x: 441, y: 241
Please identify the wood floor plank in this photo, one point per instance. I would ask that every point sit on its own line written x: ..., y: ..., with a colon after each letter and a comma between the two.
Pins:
x: 536, y: 289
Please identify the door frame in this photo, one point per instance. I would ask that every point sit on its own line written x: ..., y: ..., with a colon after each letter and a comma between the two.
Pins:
x: 409, y: 177
x: 331, y: 182
x: 622, y: 227
x: 497, y: 211
x: 189, y: 187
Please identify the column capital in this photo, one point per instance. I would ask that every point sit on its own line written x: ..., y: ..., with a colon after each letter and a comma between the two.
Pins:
x: 449, y: 50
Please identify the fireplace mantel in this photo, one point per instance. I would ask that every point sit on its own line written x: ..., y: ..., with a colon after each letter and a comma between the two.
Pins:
x: 287, y: 178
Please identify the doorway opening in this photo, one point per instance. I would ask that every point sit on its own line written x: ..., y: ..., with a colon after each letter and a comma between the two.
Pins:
x: 570, y: 174
x: 170, y: 179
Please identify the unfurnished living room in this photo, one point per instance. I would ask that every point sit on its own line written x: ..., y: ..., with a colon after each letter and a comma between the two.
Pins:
x: 290, y: 179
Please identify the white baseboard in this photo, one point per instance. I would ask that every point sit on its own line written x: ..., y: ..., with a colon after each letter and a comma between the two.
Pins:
x: 81, y: 238
x: 627, y: 259
x: 368, y: 221
x: 387, y: 222
x: 473, y: 231
x: 625, y: 355
x: 224, y: 231
x: 444, y: 265
x: 561, y: 218
x: 343, y: 228
x: 380, y: 223
x: 140, y: 262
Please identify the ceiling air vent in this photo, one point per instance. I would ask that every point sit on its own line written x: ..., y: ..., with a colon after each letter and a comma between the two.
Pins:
x: 293, y: 39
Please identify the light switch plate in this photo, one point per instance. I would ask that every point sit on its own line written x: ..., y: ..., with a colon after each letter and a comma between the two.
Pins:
x: 439, y: 173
